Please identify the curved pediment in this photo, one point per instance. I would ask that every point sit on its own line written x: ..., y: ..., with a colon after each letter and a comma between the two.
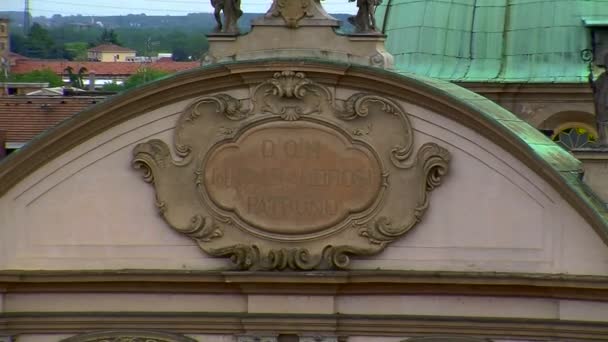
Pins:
x: 433, y: 123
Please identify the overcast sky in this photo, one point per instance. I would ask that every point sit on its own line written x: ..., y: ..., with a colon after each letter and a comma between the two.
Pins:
x: 150, y: 7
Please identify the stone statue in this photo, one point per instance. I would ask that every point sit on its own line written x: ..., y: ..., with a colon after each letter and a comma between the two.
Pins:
x: 600, y: 93
x: 364, y: 21
x: 232, y: 12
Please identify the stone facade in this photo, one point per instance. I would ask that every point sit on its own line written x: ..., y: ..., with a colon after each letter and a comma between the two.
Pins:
x: 298, y: 200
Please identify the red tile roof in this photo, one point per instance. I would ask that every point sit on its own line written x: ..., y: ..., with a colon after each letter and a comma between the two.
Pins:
x: 14, y: 57
x: 109, y: 48
x: 124, y: 69
x: 24, y: 117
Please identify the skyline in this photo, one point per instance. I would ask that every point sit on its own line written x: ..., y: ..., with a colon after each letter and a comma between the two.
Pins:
x: 48, y: 8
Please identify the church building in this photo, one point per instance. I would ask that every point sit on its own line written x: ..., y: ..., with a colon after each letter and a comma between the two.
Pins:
x: 308, y: 184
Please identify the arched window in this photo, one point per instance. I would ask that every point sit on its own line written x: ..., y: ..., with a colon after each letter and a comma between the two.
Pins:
x: 575, y: 135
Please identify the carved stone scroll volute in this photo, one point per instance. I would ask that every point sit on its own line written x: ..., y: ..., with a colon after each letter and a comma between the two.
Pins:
x: 292, y: 178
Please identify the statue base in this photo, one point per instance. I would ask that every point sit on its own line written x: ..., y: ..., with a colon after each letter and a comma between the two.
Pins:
x: 313, y: 38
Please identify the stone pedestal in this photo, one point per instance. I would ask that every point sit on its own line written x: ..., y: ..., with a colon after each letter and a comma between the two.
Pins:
x: 310, y: 34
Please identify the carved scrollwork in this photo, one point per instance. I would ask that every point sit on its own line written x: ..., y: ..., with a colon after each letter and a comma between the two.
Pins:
x: 359, y: 106
x: 432, y: 165
x: 290, y: 179
x: 290, y: 95
x: 250, y: 257
x: 154, y: 156
x: 149, y: 157
x: 224, y: 104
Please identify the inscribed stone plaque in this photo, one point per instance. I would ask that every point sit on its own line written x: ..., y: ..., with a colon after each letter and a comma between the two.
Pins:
x: 292, y: 178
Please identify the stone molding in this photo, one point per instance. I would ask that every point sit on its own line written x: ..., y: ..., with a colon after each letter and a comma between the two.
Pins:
x: 310, y: 283
x: 229, y: 187
x: 256, y: 338
x: 342, y: 325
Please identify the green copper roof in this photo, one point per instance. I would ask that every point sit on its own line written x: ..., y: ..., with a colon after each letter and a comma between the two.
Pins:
x: 491, y: 40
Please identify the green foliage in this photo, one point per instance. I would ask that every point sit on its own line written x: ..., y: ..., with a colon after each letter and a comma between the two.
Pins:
x: 78, y: 50
x: 113, y: 86
x: 37, y: 76
x: 108, y: 37
x: 144, y: 76
x: 40, y: 44
x: 71, y: 42
x: 151, y: 41
x: 139, y: 78
x: 76, y: 79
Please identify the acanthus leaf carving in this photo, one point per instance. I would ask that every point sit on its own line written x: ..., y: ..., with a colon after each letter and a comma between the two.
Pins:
x: 290, y: 95
x: 290, y: 179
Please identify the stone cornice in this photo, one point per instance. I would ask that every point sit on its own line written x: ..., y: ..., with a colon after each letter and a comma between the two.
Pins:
x: 311, y: 283
x: 335, y: 324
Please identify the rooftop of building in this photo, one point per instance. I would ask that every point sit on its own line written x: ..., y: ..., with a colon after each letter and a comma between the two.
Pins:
x: 540, y: 41
x: 25, y: 117
x: 100, y: 68
x: 110, y: 48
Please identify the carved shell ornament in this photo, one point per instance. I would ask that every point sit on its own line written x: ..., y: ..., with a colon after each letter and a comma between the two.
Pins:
x: 292, y: 178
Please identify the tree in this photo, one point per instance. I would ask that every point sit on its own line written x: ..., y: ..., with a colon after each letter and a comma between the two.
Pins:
x: 78, y: 50
x: 38, y: 76
x: 179, y: 54
x: 109, y: 37
x: 18, y: 43
x: 76, y: 79
x: 39, y: 43
x: 143, y: 76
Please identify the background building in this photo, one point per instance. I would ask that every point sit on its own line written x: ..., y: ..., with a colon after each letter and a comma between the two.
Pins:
x: 298, y: 189
x: 4, y: 38
x: 110, y: 53
x: 534, y: 58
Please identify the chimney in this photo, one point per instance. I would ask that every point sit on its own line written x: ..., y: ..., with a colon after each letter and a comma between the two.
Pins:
x: 92, y: 80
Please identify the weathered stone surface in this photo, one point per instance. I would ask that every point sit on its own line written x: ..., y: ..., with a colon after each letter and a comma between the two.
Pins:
x: 291, y: 177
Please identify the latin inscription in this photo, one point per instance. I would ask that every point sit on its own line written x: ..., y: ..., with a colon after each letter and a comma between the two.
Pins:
x: 292, y: 178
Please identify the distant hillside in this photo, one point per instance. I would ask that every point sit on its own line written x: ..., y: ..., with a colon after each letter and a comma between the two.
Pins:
x: 192, y: 22
x: 16, y: 18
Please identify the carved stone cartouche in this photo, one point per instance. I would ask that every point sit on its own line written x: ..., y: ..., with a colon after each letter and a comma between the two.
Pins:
x: 291, y: 177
